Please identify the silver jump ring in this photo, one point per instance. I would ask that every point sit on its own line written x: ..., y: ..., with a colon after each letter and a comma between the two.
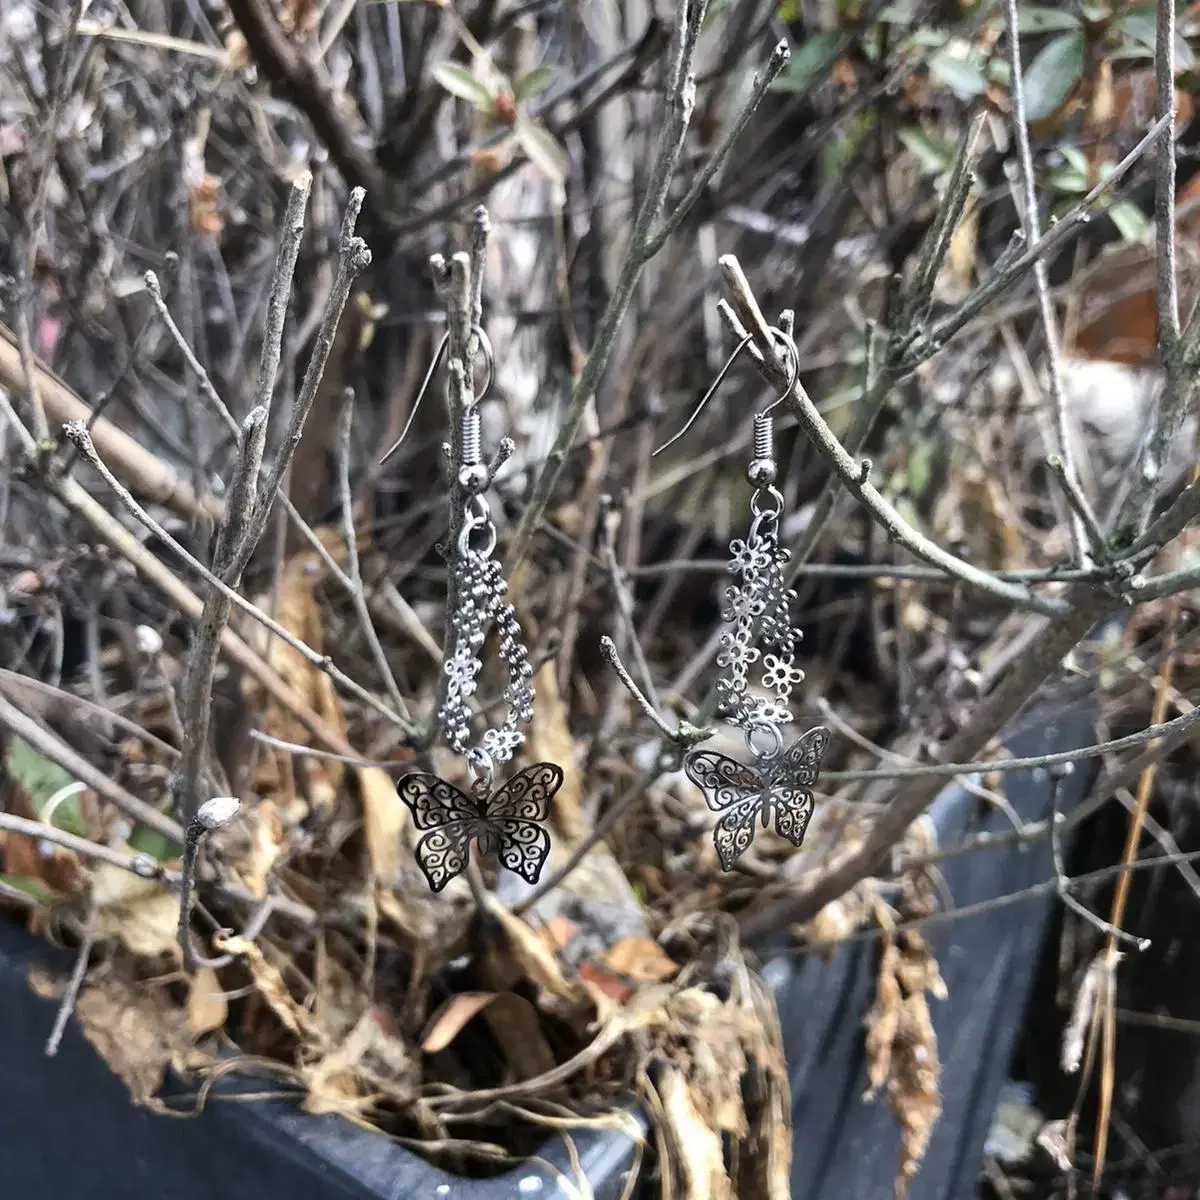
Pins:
x: 770, y: 731
x: 481, y: 769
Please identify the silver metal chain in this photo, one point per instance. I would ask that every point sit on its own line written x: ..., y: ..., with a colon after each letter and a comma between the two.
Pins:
x: 759, y: 600
x: 480, y: 589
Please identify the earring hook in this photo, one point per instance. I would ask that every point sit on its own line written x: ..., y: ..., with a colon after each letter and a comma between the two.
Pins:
x: 793, y: 357
x: 489, y: 359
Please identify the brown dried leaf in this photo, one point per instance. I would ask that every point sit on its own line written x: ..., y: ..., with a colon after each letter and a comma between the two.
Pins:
x: 136, y: 1030
x: 517, y: 1030
x: 537, y: 963
x: 260, y: 837
x: 550, y: 740
x: 641, y: 959
x: 207, y: 1007
x: 384, y: 822
x: 1082, y: 1014
x: 902, y: 1048
x: 698, y: 1154
x: 298, y: 612
x: 142, y: 913
x: 448, y: 1022
x: 270, y: 985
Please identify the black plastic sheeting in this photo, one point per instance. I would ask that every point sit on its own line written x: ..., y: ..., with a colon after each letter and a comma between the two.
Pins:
x: 69, y: 1132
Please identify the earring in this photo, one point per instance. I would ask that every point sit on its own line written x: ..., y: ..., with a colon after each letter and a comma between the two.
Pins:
x: 757, y: 617
x: 509, y: 819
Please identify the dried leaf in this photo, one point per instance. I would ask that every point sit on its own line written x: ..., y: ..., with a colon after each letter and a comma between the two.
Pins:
x: 608, y: 983
x: 333, y: 1081
x: 537, y: 962
x: 1053, y: 1138
x: 902, y: 1048
x: 699, y: 1156
x: 136, y: 1030
x: 550, y: 740
x: 270, y: 985
x: 1082, y: 1013
x: 641, y: 959
x: 207, y: 1007
x: 384, y: 822
x: 298, y: 612
x: 448, y: 1022
x: 260, y: 838
x: 142, y: 913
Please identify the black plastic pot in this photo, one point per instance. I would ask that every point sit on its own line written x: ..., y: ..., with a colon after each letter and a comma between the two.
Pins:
x: 69, y: 1132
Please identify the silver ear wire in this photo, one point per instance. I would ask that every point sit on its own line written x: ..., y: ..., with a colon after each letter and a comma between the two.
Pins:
x: 793, y: 359
x: 489, y: 361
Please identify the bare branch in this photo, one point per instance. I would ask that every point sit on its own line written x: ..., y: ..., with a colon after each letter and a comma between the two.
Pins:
x: 854, y: 473
x: 1041, y: 282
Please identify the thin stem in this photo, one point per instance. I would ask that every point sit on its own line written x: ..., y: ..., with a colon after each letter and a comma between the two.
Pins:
x: 50, y: 746
x: 78, y: 972
x: 78, y: 433
x: 1074, y: 494
x: 1063, y: 884
x: 353, y: 571
x: 1041, y: 282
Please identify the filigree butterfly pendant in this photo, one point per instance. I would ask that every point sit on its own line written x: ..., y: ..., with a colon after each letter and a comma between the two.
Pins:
x: 507, y: 821
x: 778, y: 786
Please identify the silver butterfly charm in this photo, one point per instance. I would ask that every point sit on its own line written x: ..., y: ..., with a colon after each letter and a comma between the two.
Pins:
x: 778, y: 786
x: 507, y: 821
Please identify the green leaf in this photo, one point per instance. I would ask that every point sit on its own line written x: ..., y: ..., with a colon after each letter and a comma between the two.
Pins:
x: 1052, y: 75
x: 542, y: 149
x: 150, y: 842
x: 30, y: 886
x: 1142, y: 26
x: 810, y: 58
x: 1132, y: 224
x: 838, y: 153
x: 43, y: 780
x: 935, y: 157
x: 459, y: 81
x: 920, y: 467
x: 1033, y: 18
x: 963, y: 76
x: 904, y: 12
x: 715, y: 9
x: 534, y: 82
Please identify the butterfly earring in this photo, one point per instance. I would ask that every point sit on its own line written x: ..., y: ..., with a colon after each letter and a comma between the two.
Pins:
x: 757, y: 618
x: 509, y: 819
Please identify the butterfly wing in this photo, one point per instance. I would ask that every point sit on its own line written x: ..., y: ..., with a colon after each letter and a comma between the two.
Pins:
x: 527, y: 795
x: 801, y: 762
x: 736, y: 792
x: 513, y: 815
x: 434, y: 803
x: 448, y: 817
x: 734, y: 832
x: 523, y: 847
x: 723, y: 780
x: 793, y: 811
x: 798, y: 767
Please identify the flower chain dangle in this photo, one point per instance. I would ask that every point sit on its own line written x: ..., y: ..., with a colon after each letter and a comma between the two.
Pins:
x: 510, y: 818
x: 480, y: 588
x: 763, y: 597
x: 757, y: 612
